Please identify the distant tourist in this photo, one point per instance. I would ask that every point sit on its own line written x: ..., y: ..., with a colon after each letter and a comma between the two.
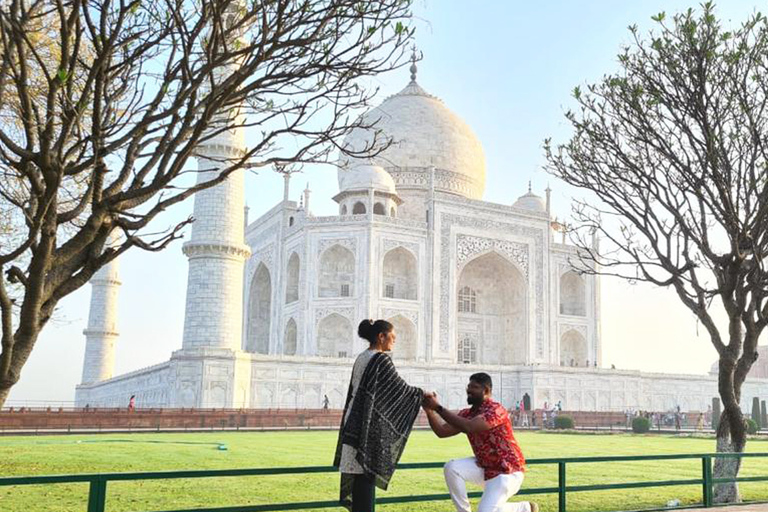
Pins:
x: 132, y: 403
x: 326, y: 402
x: 498, y: 465
x: 378, y: 417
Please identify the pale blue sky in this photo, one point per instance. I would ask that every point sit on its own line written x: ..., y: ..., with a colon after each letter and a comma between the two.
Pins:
x: 507, y: 68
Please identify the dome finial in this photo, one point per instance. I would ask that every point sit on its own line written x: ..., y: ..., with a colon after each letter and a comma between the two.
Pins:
x: 414, y: 57
x: 529, y: 186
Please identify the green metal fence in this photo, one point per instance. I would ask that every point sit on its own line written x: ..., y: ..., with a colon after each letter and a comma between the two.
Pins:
x: 98, y: 482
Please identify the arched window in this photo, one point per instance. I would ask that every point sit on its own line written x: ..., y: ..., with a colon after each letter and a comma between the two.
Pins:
x: 290, y: 221
x: 379, y: 209
x: 289, y: 339
x: 292, y: 282
x: 358, y: 208
x: 334, y: 336
x: 392, y: 212
x: 467, y: 350
x: 343, y: 209
x: 467, y: 300
x: 337, y: 272
x: 400, y: 276
x: 259, y: 311
x: 573, y: 299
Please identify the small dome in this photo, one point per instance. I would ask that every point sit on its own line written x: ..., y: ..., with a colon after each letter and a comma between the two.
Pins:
x: 531, y: 201
x: 424, y: 133
x: 364, y: 177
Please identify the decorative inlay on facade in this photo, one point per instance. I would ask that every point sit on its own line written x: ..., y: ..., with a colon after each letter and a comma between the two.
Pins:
x: 321, y: 313
x: 332, y: 219
x: 449, y: 220
x: 581, y: 329
x: 388, y: 244
x: 264, y: 255
x: 400, y: 222
x: 468, y: 246
x: 325, y: 243
x: 413, y: 316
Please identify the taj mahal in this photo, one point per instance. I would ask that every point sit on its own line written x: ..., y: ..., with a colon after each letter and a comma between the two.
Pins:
x: 272, y: 305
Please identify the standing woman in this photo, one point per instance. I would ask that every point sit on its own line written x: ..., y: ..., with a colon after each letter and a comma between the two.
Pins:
x: 378, y: 417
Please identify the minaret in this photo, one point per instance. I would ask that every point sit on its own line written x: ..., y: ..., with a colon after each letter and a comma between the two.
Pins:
x: 216, y: 249
x: 101, y: 333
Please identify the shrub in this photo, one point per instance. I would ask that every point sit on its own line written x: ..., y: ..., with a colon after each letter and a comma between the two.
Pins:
x: 563, y: 422
x: 641, y: 425
x: 751, y: 426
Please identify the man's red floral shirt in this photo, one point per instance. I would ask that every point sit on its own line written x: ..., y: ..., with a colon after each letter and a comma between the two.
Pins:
x: 496, y: 450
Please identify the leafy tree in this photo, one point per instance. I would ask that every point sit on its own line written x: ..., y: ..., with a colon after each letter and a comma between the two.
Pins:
x: 103, y: 104
x: 674, y: 146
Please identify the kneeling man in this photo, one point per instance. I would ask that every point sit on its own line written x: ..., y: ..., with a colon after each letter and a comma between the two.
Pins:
x: 498, y: 464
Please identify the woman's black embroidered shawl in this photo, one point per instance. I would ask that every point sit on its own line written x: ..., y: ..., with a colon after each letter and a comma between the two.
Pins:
x: 379, y: 423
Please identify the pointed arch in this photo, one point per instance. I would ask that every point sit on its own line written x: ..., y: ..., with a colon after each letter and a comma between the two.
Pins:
x: 573, y: 300
x: 400, y: 274
x: 334, y: 336
x: 292, y: 279
x: 259, y: 311
x: 492, y: 310
x: 358, y: 208
x: 573, y: 349
x: 289, y: 338
x: 343, y: 209
x: 379, y: 209
x: 406, y: 342
x: 337, y: 272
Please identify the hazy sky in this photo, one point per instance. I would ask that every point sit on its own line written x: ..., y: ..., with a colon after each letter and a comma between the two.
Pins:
x: 505, y: 67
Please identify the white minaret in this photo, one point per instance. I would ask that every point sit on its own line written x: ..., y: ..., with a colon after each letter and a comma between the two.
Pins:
x: 217, y: 250
x: 101, y: 333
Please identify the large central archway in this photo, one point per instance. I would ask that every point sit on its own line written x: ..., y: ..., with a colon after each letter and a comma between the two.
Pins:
x: 492, y: 309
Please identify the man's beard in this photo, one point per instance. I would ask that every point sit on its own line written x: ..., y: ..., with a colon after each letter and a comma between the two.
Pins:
x: 473, y: 400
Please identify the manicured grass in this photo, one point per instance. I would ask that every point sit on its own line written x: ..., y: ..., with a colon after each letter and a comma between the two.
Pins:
x: 145, y: 452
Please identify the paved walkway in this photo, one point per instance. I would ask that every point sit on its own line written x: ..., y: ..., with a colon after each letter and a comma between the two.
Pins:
x: 761, y: 507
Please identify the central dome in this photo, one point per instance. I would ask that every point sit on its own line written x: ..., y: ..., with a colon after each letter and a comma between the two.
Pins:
x: 423, y: 133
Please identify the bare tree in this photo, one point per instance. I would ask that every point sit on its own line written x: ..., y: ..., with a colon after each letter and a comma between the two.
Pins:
x: 97, y: 125
x: 674, y: 145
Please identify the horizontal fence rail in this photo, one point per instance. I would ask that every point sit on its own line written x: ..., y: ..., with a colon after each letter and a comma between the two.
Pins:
x: 98, y: 482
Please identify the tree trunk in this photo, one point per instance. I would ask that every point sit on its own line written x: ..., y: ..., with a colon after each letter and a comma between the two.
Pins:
x: 5, y: 389
x: 731, y: 435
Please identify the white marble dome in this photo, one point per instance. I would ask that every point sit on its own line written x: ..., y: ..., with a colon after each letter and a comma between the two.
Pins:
x: 532, y: 202
x: 364, y: 177
x: 424, y: 133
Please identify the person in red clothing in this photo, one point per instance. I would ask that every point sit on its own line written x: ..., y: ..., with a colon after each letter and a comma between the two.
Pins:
x: 498, y: 465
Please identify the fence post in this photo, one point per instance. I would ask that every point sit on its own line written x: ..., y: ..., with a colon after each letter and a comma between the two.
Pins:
x: 706, y: 467
x: 561, y: 487
x: 97, y: 495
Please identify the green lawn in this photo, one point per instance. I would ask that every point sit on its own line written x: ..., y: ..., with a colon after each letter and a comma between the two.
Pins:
x: 144, y: 452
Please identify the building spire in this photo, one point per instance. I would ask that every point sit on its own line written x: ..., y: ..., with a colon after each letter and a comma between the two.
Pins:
x: 414, y: 58
x: 529, y: 186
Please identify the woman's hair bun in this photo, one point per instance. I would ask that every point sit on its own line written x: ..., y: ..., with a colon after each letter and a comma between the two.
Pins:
x: 365, y: 329
x: 370, y: 330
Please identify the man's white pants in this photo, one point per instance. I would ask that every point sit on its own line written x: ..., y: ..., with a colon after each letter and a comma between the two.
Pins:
x: 496, y: 491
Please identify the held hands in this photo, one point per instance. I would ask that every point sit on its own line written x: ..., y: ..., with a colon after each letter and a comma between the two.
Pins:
x: 429, y: 402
